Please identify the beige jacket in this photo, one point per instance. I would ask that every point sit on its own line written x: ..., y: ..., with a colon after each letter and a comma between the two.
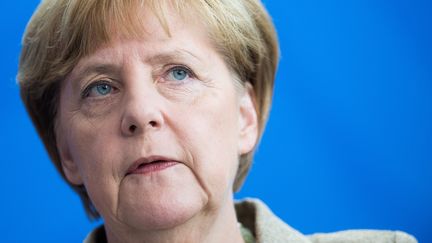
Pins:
x: 268, y: 228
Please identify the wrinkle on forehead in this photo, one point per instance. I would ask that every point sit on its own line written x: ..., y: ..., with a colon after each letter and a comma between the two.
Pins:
x: 132, y: 20
x: 137, y: 21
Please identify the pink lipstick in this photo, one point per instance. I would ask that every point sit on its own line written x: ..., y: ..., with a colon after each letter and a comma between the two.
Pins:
x: 150, y: 164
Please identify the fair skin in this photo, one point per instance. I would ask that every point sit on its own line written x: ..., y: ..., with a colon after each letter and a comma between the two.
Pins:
x: 153, y: 128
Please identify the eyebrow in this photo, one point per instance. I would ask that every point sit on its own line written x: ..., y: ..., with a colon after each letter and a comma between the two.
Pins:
x: 178, y: 54
x: 114, y: 69
x: 97, y: 68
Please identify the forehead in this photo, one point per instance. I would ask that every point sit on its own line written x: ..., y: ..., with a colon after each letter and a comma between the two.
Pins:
x: 184, y: 41
x: 100, y: 23
x: 156, y: 33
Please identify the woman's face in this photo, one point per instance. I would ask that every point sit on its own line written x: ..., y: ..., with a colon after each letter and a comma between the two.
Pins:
x: 154, y: 127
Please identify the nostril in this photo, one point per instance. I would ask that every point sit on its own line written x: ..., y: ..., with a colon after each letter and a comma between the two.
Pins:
x: 153, y: 123
x: 132, y: 128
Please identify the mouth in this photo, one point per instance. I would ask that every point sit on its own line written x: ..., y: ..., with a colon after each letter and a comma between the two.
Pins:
x: 150, y: 165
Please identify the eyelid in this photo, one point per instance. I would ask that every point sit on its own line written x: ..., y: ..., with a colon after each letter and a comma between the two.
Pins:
x: 86, y: 90
x: 180, y: 66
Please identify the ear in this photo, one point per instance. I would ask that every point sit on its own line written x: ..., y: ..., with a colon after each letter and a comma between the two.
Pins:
x: 69, y: 166
x: 248, y: 120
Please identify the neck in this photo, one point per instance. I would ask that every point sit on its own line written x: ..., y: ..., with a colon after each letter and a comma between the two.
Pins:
x: 212, y: 226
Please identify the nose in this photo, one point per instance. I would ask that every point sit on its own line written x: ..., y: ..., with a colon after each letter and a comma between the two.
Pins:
x: 142, y: 112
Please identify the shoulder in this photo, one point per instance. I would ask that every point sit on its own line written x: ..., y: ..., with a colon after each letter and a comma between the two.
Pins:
x: 267, y: 227
x: 354, y: 236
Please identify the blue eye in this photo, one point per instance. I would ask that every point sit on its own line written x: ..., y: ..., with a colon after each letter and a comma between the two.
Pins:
x: 98, y: 89
x: 178, y: 73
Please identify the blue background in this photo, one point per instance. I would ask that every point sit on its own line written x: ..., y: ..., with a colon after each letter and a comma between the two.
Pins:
x: 348, y: 144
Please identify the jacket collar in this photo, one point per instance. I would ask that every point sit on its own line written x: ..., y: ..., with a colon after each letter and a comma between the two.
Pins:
x: 266, y: 226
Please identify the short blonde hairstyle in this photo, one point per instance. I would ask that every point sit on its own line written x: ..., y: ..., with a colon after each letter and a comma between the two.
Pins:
x: 61, y: 32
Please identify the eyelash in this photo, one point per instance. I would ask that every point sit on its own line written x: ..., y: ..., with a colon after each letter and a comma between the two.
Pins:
x: 86, y: 92
x: 188, y: 71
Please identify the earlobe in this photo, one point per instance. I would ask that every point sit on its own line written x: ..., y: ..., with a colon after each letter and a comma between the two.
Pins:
x: 248, y: 121
x: 69, y: 166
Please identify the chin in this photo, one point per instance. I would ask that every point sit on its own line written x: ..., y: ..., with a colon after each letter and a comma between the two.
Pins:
x: 165, y: 215
x: 162, y: 202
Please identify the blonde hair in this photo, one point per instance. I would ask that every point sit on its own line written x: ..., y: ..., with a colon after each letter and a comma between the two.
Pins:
x: 61, y: 32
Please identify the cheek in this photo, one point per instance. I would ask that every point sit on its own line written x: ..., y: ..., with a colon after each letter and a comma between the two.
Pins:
x: 90, y: 142
x: 93, y: 149
x: 210, y: 133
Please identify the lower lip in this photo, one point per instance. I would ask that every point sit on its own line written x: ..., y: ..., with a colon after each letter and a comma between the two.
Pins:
x: 154, y: 167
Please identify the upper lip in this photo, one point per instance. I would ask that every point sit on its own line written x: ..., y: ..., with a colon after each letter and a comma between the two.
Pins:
x: 146, y: 160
